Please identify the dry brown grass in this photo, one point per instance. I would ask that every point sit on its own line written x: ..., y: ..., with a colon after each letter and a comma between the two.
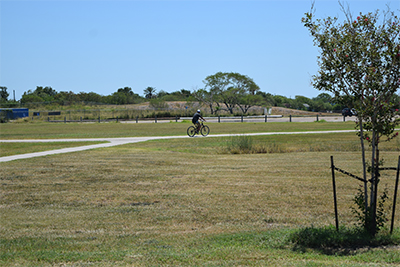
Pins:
x: 131, y: 190
x: 171, y: 193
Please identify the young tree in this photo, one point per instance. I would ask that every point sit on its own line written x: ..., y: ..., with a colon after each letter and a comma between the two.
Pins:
x: 360, y: 64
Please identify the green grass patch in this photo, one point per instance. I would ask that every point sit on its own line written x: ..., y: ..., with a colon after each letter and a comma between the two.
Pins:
x: 241, y: 144
x: 44, y: 130
x: 9, y: 149
x: 346, y: 241
x: 274, y: 247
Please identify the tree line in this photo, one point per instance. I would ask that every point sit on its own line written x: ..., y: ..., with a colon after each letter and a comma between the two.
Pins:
x: 222, y: 91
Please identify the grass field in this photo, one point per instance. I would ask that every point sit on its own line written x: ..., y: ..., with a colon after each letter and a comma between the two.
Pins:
x: 43, y: 130
x: 183, y: 202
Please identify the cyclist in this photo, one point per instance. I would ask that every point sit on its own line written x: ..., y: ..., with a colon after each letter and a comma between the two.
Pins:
x: 195, y: 120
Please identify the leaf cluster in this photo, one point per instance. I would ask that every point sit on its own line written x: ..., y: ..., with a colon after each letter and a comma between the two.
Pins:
x: 360, y: 64
x: 364, y: 216
x: 359, y: 57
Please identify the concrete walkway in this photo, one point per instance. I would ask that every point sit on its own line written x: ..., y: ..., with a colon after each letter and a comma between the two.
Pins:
x: 123, y: 141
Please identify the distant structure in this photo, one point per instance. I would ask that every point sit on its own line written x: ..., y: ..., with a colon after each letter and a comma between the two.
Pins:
x: 13, y: 113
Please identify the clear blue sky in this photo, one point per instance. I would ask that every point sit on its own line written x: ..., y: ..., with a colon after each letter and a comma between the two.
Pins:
x: 100, y: 46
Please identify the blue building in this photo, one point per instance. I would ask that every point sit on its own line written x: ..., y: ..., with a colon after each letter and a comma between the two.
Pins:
x: 14, y: 113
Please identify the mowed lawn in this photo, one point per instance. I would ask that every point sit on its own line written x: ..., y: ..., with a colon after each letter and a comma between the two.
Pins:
x: 184, y: 202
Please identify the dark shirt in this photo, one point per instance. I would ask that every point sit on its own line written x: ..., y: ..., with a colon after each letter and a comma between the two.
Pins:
x: 196, y: 117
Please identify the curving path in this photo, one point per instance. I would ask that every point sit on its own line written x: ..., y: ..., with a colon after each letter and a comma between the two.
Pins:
x: 123, y: 141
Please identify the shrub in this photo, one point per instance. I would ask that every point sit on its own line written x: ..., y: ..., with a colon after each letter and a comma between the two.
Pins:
x: 364, y: 217
x: 330, y: 241
x: 240, y: 144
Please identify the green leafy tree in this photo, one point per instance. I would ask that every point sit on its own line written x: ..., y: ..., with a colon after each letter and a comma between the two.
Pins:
x: 119, y: 98
x: 281, y: 101
x: 40, y: 94
x: 324, y: 97
x: 268, y: 98
x: 248, y: 100
x: 396, y: 101
x: 231, y: 89
x: 185, y: 93
x: 3, y: 94
x: 301, y: 102
x: 90, y: 97
x: 150, y: 92
x: 208, y: 98
x: 322, y: 102
x: 359, y: 64
x: 47, y: 93
x: 123, y: 96
x: 66, y: 98
x: 162, y: 94
x: 31, y: 98
x: 126, y: 90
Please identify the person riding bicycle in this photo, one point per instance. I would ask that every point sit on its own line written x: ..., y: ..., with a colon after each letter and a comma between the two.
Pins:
x: 195, y: 120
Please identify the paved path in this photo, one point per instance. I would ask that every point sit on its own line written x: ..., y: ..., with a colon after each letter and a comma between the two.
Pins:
x: 123, y: 141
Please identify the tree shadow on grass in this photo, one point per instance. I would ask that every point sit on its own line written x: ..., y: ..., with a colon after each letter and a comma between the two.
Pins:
x: 343, y: 242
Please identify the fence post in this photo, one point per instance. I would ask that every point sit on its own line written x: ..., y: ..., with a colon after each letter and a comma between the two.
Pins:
x: 137, y: 117
x: 317, y: 117
x: 290, y: 118
x: 265, y: 118
x: 395, y: 195
x: 48, y: 119
x: 117, y: 118
x: 65, y: 119
x: 155, y: 118
x: 176, y: 118
x: 81, y: 118
x: 334, y: 194
x: 219, y: 118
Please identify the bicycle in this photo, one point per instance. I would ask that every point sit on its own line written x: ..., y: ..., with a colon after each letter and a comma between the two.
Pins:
x: 204, y: 130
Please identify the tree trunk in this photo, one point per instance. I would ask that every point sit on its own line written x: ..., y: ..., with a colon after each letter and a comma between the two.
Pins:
x: 211, y: 108
x: 364, y: 167
x: 374, y: 181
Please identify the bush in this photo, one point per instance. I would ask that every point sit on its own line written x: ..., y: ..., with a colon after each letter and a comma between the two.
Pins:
x: 364, y: 217
x: 331, y: 241
x: 242, y: 144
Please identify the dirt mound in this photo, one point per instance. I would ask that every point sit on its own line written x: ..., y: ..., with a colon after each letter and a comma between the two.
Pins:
x: 289, y: 111
x: 181, y: 105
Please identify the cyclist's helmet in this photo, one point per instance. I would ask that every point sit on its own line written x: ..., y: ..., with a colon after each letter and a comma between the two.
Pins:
x: 198, y: 111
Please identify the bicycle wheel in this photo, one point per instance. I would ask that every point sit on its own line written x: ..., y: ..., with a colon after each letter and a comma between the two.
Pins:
x: 191, y: 131
x: 205, y: 130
